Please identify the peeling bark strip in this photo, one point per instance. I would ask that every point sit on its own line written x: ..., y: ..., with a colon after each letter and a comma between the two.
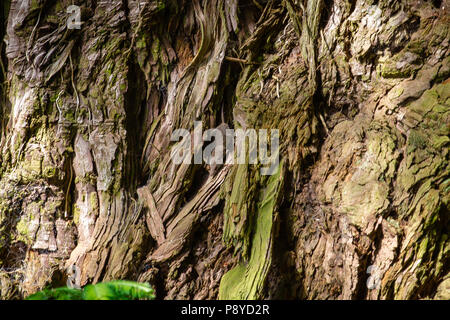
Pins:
x: 359, y: 91
x: 155, y: 224
x: 246, y: 281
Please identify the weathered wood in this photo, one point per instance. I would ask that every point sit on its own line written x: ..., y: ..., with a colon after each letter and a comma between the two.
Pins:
x: 154, y: 222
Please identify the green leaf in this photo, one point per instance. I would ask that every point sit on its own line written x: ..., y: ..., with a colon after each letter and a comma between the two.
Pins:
x: 63, y: 293
x: 118, y: 290
x: 114, y: 290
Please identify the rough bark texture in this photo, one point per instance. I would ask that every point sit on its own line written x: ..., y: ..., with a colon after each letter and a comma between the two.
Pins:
x: 359, y: 90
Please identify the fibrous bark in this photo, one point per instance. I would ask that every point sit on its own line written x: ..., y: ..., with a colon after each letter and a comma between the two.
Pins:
x: 357, y: 208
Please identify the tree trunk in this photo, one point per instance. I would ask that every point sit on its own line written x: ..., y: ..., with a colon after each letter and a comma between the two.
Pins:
x: 358, y: 207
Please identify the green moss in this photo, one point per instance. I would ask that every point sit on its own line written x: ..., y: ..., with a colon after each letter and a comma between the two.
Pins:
x: 49, y: 172
x: 76, y: 215
x: 390, y: 72
x: 93, y: 202
x: 35, y: 4
x: 237, y: 210
x: 22, y: 231
x: 141, y: 43
x: 31, y: 169
x: 404, y: 63
x: 246, y: 280
x: 417, y: 47
x: 440, y: 141
x: 416, y: 140
x: 422, y: 248
x: 156, y: 48
x: 443, y: 91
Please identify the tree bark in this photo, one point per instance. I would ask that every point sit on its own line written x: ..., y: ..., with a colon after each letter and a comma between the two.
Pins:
x: 357, y: 209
